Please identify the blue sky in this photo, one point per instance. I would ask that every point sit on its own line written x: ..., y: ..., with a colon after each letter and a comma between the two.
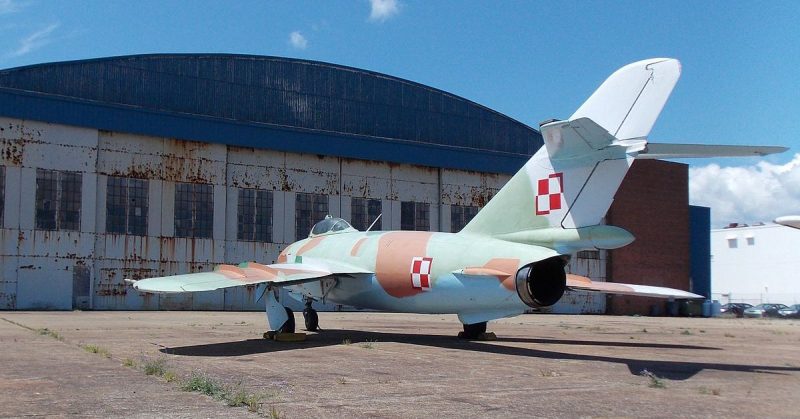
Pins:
x: 531, y: 60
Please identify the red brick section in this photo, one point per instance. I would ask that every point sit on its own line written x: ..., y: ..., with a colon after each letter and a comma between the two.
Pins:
x: 653, y: 204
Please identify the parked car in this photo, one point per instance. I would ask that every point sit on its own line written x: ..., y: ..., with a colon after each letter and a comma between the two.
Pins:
x: 792, y: 312
x: 735, y: 308
x: 765, y: 310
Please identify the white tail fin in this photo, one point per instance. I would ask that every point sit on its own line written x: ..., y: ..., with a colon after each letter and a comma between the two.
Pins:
x: 571, y: 181
x: 628, y: 103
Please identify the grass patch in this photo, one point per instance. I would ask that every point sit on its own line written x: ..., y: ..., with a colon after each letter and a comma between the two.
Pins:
x: 686, y: 332
x: 342, y: 380
x: 94, y: 349
x: 169, y: 376
x: 729, y: 335
x: 127, y: 362
x: 655, y: 382
x: 202, y: 383
x: 240, y: 397
x: 712, y: 391
x: 274, y: 413
x: 369, y: 344
x: 156, y: 366
x: 52, y: 333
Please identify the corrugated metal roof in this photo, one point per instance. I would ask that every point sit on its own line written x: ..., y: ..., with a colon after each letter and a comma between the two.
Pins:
x: 283, y: 93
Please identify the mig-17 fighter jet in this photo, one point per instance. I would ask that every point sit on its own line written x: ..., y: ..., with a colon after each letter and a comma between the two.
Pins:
x: 511, y: 256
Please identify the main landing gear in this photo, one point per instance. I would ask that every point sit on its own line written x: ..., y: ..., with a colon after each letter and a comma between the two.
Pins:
x: 311, y: 317
x: 476, y: 331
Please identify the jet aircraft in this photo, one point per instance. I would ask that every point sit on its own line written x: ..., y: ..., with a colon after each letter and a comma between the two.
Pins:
x: 512, y: 255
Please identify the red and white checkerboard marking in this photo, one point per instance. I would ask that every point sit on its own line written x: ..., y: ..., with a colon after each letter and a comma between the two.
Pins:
x: 421, y: 273
x: 549, y: 193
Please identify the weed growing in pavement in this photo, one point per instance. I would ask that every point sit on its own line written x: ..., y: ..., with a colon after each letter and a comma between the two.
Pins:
x: 202, y: 383
x: 127, y: 362
x: 94, y: 349
x: 52, y: 333
x: 274, y: 413
x: 169, y: 376
x: 655, y: 382
x: 156, y: 366
x: 713, y: 391
x: 686, y: 332
x: 369, y: 344
x: 240, y: 397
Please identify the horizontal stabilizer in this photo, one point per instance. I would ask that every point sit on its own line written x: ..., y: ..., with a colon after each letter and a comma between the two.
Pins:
x: 583, y: 283
x: 675, y: 151
x: 789, y: 221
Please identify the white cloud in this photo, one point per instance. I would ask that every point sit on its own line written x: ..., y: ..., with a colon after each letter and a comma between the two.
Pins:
x: 383, y: 9
x: 10, y: 6
x: 297, y: 40
x: 759, y: 192
x: 35, y: 40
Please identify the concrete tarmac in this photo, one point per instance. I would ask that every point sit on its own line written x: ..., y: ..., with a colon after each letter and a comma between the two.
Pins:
x: 400, y: 365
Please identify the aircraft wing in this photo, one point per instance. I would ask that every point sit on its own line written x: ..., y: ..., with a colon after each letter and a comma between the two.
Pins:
x: 583, y: 283
x: 249, y: 273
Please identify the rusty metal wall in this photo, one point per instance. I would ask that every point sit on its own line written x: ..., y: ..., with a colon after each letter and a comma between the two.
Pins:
x: 48, y: 269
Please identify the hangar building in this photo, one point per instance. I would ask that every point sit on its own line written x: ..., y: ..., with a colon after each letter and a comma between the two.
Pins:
x: 152, y: 165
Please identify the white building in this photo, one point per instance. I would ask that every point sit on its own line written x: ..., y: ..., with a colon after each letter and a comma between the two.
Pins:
x: 756, y: 264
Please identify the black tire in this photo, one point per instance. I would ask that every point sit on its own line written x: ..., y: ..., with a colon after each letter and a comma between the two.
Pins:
x: 288, y: 326
x: 312, y: 319
x: 473, y: 331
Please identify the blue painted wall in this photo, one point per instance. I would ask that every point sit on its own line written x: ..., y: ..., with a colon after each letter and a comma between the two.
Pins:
x: 700, y: 249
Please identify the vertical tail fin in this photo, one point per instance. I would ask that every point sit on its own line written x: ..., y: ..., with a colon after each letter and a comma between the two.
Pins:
x: 571, y: 181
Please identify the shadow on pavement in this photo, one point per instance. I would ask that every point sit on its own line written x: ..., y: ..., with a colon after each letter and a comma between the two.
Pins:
x: 673, y: 370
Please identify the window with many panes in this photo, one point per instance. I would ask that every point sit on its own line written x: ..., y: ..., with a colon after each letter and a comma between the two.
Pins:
x: 460, y: 216
x: 194, y: 210
x: 308, y: 210
x: 364, y: 212
x: 415, y: 216
x: 58, y: 200
x: 255, y: 215
x: 126, y: 205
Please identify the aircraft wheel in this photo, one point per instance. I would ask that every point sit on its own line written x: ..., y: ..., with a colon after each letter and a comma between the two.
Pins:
x: 473, y: 331
x: 288, y: 327
x: 312, y: 319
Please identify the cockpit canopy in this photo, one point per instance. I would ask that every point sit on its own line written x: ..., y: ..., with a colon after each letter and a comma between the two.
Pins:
x: 330, y: 225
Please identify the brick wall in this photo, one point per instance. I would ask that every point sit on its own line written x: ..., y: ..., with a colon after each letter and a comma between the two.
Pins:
x: 653, y: 204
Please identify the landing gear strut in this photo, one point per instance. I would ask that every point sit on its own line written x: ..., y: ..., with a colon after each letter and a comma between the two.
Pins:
x: 310, y: 316
x: 473, y: 331
x: 288, y: 326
